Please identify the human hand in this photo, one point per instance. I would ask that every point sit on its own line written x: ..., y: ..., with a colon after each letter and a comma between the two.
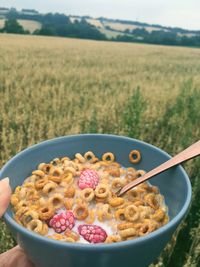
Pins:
x: 14, y: 257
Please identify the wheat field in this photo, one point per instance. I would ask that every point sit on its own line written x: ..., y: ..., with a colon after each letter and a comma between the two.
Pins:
x: 51, y: 87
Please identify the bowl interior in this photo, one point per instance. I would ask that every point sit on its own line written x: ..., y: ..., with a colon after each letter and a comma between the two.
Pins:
x: 170, y: 183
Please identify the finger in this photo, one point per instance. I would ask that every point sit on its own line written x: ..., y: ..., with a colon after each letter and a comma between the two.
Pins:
x: 5, y: 194
x: 15, y: 258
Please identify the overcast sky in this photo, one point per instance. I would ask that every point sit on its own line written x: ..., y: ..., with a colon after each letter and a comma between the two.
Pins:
x: 177, y: 13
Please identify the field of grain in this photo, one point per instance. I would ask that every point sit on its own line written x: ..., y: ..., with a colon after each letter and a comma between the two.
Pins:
x: 52, y: 87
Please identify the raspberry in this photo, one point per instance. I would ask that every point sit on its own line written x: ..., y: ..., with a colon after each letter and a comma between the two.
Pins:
x: 88, y: 179
x: 92, y: 233
x: 62, y: 221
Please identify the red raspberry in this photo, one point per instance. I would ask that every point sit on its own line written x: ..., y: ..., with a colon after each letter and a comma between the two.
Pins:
x: 62, y: 221
x: 88, y: 179
x: 92, y: 233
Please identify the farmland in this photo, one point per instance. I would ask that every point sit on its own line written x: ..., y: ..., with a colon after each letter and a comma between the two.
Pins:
x: 52, y: 87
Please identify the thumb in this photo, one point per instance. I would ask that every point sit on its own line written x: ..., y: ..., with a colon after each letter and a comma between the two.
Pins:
x: 5, y: 194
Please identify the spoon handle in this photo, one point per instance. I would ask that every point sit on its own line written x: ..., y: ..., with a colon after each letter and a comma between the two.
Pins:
x: 189, y: 153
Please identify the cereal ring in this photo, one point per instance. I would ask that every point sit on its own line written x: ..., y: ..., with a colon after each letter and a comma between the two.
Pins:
x: 127, y: 233
x: 35, y: 225
x: 67, y: 177
x: 55, y: 161
x: 80, y: 158
x: 55, y: 171
x: 147, y: 227
x: 29, y: 216
x: 70, y: 169
x: 117, y: 184
x: 49, y: 187
x: 55, y: 179
x: 120, y: 214
x: 57, y: 237
x: 39, y: 184
x: 91, y: 217
x: 39, y: 173
x: 45, y: 168
x: 21, y: 204
x: 69, y: 233
x: 68, y: 203
x: 113, y: 171
x: 45, y: 229
x: 125, y: 225
x: 69, y: 239
x: 46, y: 212
x: 81, y: 212
x: 70, y: 192
x: 140, y: 173
x: 101, y: 191
x: 113, y: 239
x: 134, y: 156
x: 117, y: 201
x: 104, y: 213
x: 14, y: 199
x: 89, y: 156
x: 56, y: 200
x: 151, y: 200
x: 131, y: 213
x: 87, y: 194
x: 108, y: 157
x: 159, y: 215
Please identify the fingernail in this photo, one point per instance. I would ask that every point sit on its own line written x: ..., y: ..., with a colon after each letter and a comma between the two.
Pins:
x: 5, y: 180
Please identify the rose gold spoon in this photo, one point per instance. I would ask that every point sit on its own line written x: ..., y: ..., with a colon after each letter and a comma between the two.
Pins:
x: 189, y: 153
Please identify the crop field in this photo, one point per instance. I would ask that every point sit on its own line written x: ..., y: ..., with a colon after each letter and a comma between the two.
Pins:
x: 30, y: 25
x: 51, y: 87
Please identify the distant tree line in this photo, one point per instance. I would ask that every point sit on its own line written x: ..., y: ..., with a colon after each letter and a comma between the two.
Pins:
x: 60, y: 25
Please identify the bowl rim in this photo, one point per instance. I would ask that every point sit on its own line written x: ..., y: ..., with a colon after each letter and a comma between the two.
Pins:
x: 82, y: 246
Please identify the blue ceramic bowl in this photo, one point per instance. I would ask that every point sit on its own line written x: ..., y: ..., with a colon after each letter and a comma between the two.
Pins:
x: 174, y: 184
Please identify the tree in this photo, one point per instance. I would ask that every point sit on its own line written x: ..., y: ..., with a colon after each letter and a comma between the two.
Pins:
x: 12, y: 26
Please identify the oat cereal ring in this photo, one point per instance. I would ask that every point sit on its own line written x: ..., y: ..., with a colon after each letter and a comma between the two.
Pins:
x: 125, y: 225
x: 39, y: 173
x: 104, y: 213
x: 55, y: 171
x: 14, y: 199
x: 56, y: 200
x: 29, y: 216
x: 117, y: 201
x: 45, y: 167
x: 46, y: 212
x: 81, y: 212
x: 127, y: 233
x: 35, y: 225
x: 55, y: 161
x: 91, y: 217
x: 80, y: 158
x: 49, y: 187
x: 32, y: 194
x: 140, y: 173
x: 71, y: 234
x: 67, y: 177
x: 21, y: 204
x: 150, y: 199
x: 113, y: 239
x: 131, y: 213
x: 68, y: 203
x: 39, y: 184
x: 87, y: 194
x: 57, y: 237
x: 159, y: 215
x: 134, y: 156
x: 45, y: 229
x: 18, y: 189
x: 117, y: 184
x: 89, y: 156
x: 120, y: 214
x: 70, y: 169
x: 70, y: 192
x: 113, y: 171
x: 101, y: 191
x: 23, y: 192
x: 147, y: 227
x: 55, y: 179
x: 108, y: 157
